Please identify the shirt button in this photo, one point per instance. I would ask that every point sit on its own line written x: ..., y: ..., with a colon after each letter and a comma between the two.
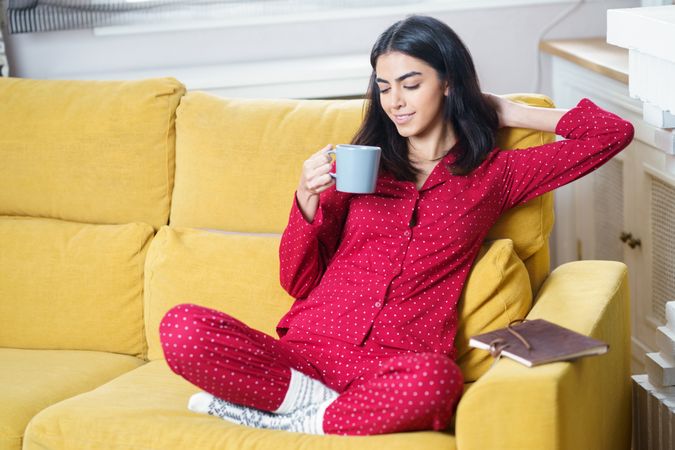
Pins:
x: 378, y: 304
x: 406, y: 233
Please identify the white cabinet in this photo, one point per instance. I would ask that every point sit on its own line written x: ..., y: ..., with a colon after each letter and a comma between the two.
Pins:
x: 625, y: 210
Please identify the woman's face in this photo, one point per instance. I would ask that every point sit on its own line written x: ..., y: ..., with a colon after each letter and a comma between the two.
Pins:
x: 410, y: 93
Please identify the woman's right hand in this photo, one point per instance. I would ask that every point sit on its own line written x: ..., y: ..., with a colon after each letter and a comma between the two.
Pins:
x: 314, y: 180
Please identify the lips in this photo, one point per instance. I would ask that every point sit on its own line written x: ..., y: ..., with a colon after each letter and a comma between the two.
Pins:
x: 403, y: 118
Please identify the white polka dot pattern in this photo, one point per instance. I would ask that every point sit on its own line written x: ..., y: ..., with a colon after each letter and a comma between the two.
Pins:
x: 410, y: 392
x: 360, y: 269
x: 380, y: 390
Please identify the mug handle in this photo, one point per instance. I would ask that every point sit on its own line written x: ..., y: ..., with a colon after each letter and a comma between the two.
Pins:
x: 332, y: 174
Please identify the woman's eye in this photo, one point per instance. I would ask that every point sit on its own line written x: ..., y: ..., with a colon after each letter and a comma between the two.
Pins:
x: 410, y: 88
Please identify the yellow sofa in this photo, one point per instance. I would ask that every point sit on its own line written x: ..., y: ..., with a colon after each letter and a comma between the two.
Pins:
x: 120, y: 199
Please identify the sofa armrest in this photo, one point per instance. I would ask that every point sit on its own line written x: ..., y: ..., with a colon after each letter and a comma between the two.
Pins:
x: 565, y: 405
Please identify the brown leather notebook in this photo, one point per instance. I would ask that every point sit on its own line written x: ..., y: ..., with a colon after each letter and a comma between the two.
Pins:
x: 547, y: 343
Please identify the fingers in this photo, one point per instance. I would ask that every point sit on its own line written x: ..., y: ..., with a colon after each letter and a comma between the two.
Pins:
x: 325, y: 149
x: 317, y: 184
x: 321, y: 169
x: 320, y: 184
x: 315, y: 178
x: 322, y: 155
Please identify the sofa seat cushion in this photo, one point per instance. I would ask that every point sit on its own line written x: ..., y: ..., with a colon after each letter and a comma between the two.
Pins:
x: 147, y: 409
x: 88, y: 151
x: 72, y: 286
x: 31, y: 380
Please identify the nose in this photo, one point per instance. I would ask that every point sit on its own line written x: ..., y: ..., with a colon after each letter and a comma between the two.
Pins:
x: 396, y: 99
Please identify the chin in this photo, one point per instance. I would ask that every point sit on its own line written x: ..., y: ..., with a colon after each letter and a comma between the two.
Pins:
x: 405, y: 132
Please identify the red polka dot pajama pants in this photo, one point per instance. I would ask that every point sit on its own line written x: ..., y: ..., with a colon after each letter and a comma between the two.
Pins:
x: 382, y: 390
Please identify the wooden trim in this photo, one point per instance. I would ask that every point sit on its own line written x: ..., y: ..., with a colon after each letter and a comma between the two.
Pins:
x: 593, y: 53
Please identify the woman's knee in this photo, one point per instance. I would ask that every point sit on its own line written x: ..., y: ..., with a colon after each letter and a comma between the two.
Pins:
x: 179, y: 333
x: 176, y: 319
x: 439, y: 381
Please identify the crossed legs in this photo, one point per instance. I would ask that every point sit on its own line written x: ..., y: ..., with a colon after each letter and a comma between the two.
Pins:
x: 245, y: 368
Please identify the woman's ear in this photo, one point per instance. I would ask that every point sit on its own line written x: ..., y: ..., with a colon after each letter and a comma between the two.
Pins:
x: 447, y: 89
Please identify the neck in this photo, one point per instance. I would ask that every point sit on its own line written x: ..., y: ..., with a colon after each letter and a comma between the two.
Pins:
x: 429, y: 148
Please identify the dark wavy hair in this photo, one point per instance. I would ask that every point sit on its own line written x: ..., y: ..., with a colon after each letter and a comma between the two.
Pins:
x: 473, y: 118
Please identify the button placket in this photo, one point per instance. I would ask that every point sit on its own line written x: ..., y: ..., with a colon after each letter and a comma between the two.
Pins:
x: 412, y: 220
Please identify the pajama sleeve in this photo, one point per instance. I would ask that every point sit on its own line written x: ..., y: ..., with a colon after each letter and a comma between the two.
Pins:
x: 307, y: 248
x: 593, y: 136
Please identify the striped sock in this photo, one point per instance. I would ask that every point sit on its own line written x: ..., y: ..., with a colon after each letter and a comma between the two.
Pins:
x: 305, y: 419
x: 304, y: 391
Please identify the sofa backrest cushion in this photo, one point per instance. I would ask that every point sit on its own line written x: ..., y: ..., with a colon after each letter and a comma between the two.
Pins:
x: 239, y: 274
x: 528, y: 225
x: 88, y: 151
x: 239, y: 160
x: 67, y: 285
x: 239, y: 163
x: 231, y: 272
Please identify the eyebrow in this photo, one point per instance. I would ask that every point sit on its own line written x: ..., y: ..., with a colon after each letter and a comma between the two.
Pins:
x: 401, y: 78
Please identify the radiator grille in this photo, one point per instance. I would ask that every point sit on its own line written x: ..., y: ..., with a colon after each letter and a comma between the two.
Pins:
x: 653, y: 416
x: 608, y: 207
x: 663, y: 245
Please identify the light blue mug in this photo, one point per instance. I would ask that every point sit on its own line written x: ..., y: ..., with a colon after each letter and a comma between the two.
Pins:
x: 356, y: 168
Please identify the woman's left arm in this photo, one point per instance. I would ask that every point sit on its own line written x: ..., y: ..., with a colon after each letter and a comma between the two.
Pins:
x: 593, y: 136
x: 519, y: 115
x: 526, y: 116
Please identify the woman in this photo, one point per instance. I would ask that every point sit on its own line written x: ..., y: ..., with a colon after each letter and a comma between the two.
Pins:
x: 367, y: 347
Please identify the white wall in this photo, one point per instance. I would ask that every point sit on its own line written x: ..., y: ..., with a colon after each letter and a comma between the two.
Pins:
x: 319, y: 58
x: 240, y: 60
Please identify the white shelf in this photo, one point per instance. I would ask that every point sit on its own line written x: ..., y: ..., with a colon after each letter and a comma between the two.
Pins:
x: 650, y: 30
x: 648, y: 34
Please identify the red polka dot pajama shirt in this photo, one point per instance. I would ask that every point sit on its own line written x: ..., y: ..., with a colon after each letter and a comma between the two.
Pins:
x: 377, y: 278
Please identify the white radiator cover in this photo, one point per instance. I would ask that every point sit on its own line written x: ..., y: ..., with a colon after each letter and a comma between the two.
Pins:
x: 663, y: 257
x: 653, y: 416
